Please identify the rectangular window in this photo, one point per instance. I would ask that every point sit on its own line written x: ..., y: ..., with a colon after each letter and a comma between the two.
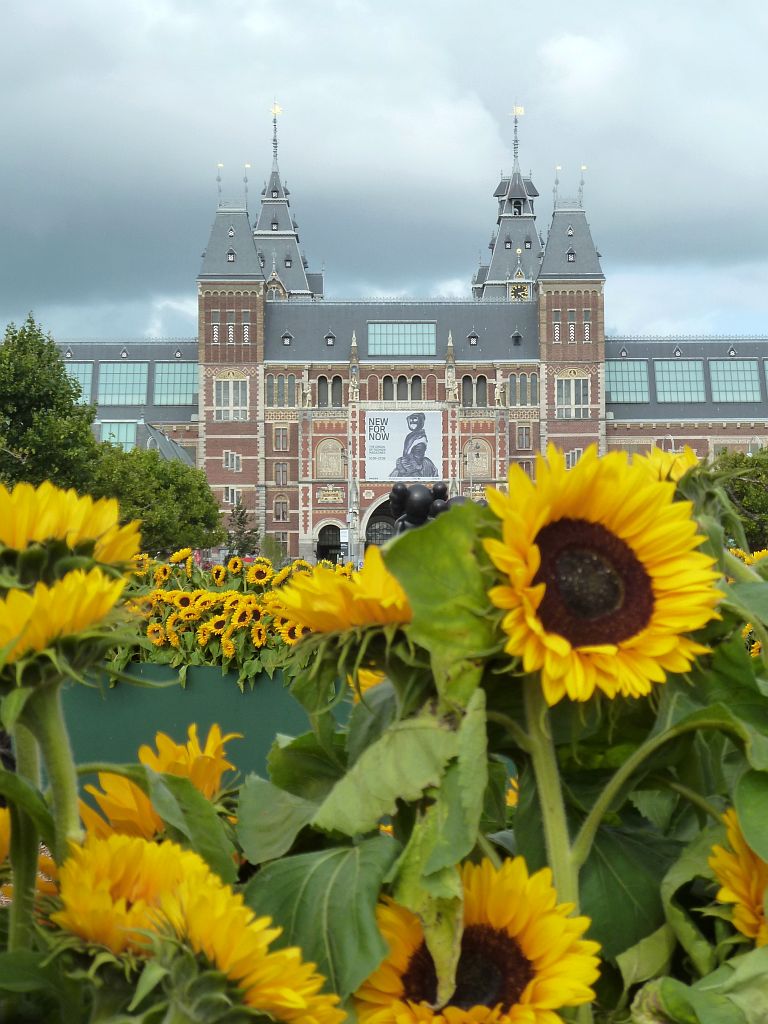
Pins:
x: 734, y: 380
x: 233, y: 495
x: 230, y: 334
x: 123, y: 383
x: 524, y: 437
x: 232, y: 461
x: 556, y: 326
x: 122, y: 434
x: 281, y: 510
x: 626, y: 380
x: 230, y: 400
x: 402, y: 339
x: 175, y: 384
x: 281, y: 439
x: 215, y: 320
x: 572, y: 457
x: 571, y: 325
x: 83, y: 374
x: 281, y: 536
x: 572, y: 399
x: 246, y: 315
x: 679, y: 380
x: 281, y: 474
x: 587, y: 316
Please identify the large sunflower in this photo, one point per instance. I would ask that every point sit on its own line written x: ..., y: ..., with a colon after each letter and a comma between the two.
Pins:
x: 743, y: 879
x: 326, y: 602
x: 522, y: 956
x: 217, y: 925
x: 603, y: 576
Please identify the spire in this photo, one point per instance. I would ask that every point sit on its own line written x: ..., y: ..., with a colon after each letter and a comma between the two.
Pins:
x: 581, y: 185
x: 218, y: 180
x: 245, y: 183
x: 516, y: 112
x: 556, y: 186
x: 276, y: 109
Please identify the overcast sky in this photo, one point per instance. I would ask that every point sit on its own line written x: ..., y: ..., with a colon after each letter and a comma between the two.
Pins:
x: 115, y: 113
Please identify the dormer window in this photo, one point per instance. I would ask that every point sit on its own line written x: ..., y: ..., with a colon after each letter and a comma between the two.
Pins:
x: 508, y: 243
x: 472, y: 338
x: 330, y: 338
x: 230, y: 256
x: 570, y: 231
x: 517, y: 338
x: 527, y: 243
x: 231, y: 231
x: 274, y: 225
x: 287, y: 338
x: 517, y: 208
x: 274, y: 193
x: 571, y: 256
x: 261, y: 260
x: 288, y: 261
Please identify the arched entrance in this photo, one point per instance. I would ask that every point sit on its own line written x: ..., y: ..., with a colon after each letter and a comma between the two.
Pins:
x: 381, y: 525
x: 329, y: 543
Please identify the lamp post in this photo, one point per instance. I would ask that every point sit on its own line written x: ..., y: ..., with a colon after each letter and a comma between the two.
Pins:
x: 470, y: 460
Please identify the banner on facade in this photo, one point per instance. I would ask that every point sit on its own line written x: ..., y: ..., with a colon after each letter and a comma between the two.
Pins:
x: 406, y: 445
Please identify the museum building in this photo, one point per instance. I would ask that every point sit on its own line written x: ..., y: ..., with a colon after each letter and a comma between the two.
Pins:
x: 307, y: 410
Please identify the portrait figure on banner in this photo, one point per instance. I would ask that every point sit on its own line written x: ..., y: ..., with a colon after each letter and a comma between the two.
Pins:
x: 414, y: 462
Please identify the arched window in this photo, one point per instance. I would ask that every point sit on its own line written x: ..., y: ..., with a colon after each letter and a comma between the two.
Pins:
x: 416, y: 388
x: 337, y: 393
x: 481, y: 392
x: 467, y: 391
x: 388, y: 389
x: 270, y: 390
x: 517, y: 207
x: 534, y: 389
x: 329, y: 464
x: 322, y: 392
x: 281, y: 390
x: 523, y: 389
x: 402, y: 388
x: 373, y: 387
x: 291, y: 396
x: 512, y: 396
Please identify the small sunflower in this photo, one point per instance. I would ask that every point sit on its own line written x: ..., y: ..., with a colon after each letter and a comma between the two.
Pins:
x: 183, y: 599
x: 327, y: 602
x: 231, y: 601
x: 603, y: 576
x: 170, y: 630
x: 663, y: 465
x: 280, y: 577
x: 522, y: 956
x: 156, y: 634
x: 258, y: 635
x: 291, y: 633
x: 743, y: 878
x: 217, y: 624
x: 205, y: 601
x: 242, y: 616
x: 203, y: 634
x: 227, y: 647
x: 188, y: 567
x: 180, y: 556
x: 235, y: 566
x: 161, y: 574
x: 259, y: 574
x: 218, y: 574
x: 140, y: 565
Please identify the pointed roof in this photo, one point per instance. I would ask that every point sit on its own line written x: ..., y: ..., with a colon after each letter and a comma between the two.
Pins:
x: 230, y: 252
x: 569, y: 236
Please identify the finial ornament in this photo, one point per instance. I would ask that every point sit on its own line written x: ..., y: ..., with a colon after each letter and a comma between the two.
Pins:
x: 276, y: 109
x: 246, y: 168
x: 218, y: 180
x: 581, y: 185
x: 516, y: 112
x: 558, y: 168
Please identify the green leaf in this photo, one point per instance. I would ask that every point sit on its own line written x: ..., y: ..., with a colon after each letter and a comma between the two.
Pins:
x: 326, y: 904
x: 752, y: 598
x: 19, y: 791
x: 750, y: 799
x: 370, y: 718
x: 23, y: 971
x: 409, y: 757
x: 149, y: 979
x: 620, y: 886
x: 648, y: 958
x: 667, y: 1001
x: 440, y: 568
x: 744, y: 981
x: 691, y: 864
x: 305, y: 768
x: 269, y: 819
x: 12, y: 705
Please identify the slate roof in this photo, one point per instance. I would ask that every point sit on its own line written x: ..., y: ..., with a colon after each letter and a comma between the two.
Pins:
x: 308, y: 323
x: 215, y: 263
x: 555, y: 263
x: 166, y: 446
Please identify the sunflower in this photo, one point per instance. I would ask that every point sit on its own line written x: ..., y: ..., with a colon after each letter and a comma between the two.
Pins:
x: 205, y: 601
x: 260, y: 573
x: 217, y: 624
x: 242, y: 616
x: 227, y: 647
x: 218, y: 926
x: 161, y: 574
x: 188, y: 567
x: 280, y: 577
x: 156, y: 634
x: 125, y: 809
x: 513, y: 792
x: 180, y: 556
x: 140, y: 565
x: 33, y: 621
x: 326, y: 602
x: 291, y: 632
x: 231, y: 601
x: 170, y: 630
x: 218, y: 574
x: 603, y: 576
x: 110, y: 888
x: 203, y: 634
x: 235, y: 566
x: 743, y: 879
x: 522, y: 956
x: 258, y: 635
x: 183, y: 599
x: 663, y: 465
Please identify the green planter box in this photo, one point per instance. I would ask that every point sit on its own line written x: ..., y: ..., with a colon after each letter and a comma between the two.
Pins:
x: 112, y: 723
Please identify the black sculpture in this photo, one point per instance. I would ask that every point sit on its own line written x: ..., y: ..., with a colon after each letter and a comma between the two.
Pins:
x: 417, y: 504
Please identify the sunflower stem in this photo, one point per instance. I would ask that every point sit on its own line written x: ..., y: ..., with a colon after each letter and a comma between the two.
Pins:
x: 554, y: 821
x: 489, y: 850
x: 43, y: 715
x: 513, y: 729
x: 25, y: 842
x: 694, y: 798
x: 739, y: 570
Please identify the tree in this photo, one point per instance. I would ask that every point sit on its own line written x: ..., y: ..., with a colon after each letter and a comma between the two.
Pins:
x: 274, y: 550
x: 45, y: 433
x: 173, y: 501
x: 241, y: 539
x: 747, y: 486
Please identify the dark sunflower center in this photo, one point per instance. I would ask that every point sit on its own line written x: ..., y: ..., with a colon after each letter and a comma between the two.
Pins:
x: 597, y: 590
x: 491, y: 970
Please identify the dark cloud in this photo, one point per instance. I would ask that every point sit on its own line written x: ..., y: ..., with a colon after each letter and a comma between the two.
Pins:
x: 395, y: 128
